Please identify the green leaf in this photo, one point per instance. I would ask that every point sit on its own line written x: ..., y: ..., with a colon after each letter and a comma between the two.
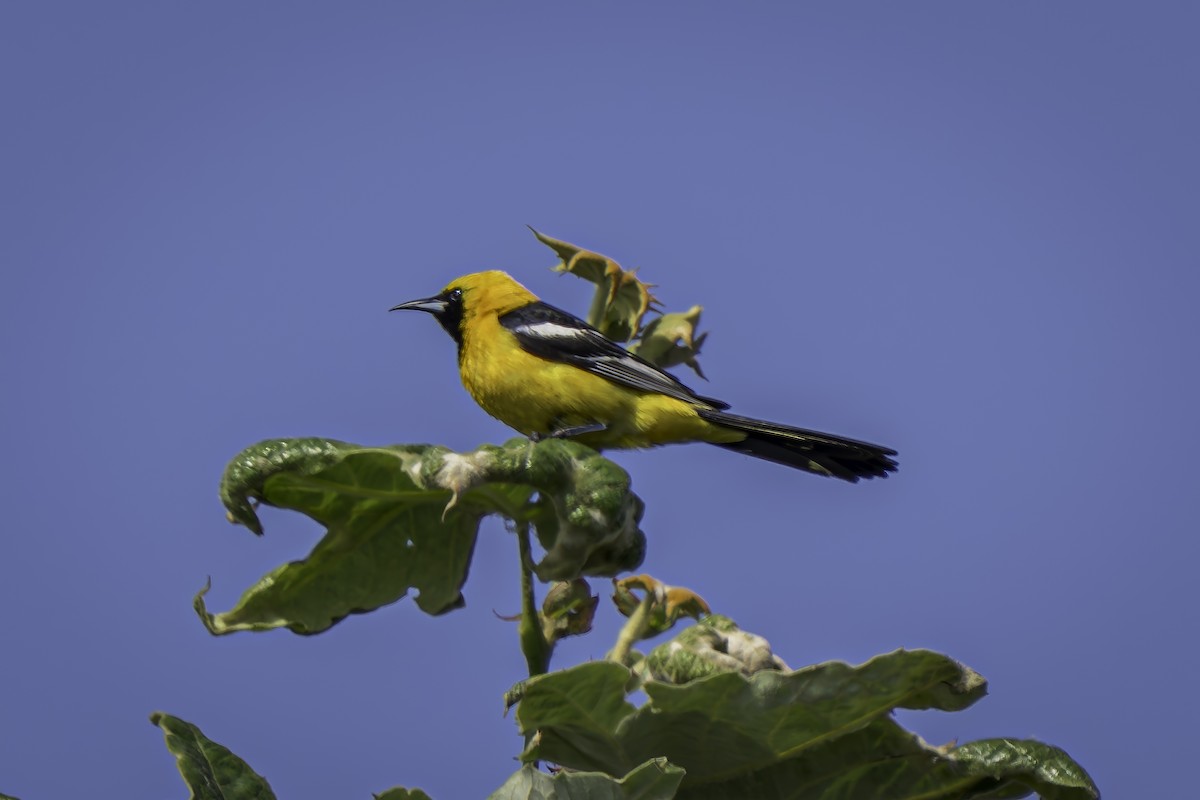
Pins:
x: 209, y: 769
x: 4, y: 796
x: 775, y: 715
x: 1039, y: 767
x: 399, y: 793
x: 578, y: 712
x: 655, y: 780
x: 406, y: 517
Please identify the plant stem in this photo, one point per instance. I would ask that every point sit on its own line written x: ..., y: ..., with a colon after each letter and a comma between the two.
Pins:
x: 599, y: 302
x: 632, y: 631
x: 534, y: 644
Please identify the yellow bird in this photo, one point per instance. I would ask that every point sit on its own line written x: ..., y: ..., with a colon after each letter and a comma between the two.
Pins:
x: 545, y: 373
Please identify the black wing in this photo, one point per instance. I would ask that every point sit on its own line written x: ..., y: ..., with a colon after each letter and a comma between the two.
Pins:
x: 555, y: 335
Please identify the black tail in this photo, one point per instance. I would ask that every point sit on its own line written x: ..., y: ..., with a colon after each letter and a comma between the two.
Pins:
x: 820, y: 453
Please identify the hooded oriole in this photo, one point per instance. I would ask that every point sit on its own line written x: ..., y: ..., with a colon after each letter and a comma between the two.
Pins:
x: 545, y: 372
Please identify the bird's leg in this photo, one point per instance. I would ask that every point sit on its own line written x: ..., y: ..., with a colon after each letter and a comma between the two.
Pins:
x: 576, y: 430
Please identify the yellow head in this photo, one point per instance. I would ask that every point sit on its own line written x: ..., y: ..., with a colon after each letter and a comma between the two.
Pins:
x: 465, y: 299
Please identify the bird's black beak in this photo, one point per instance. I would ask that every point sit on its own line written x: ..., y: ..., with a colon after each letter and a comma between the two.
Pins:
x: 447, y: 309
x: 434, y: 305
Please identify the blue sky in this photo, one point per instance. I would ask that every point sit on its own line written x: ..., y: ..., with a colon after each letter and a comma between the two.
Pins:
x: 968, y: 231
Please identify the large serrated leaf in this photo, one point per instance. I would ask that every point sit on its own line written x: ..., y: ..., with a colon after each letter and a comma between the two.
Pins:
x: 751, y: 722
x: 820, y: 732
x: 655, y: 780
x: 210, y: 770
x: 406, y: 517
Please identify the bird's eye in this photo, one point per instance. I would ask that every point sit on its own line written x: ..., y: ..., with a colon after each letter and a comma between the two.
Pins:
x: 455, y: 295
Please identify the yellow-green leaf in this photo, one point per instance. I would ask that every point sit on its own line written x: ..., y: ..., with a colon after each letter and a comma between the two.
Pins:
x: 620, y: 301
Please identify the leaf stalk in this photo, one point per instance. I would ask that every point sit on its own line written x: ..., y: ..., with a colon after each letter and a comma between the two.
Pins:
x: 632, y: 631
x: 536, y: 648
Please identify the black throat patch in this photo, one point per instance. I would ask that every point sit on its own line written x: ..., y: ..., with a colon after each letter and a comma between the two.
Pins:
x: 451, y: 317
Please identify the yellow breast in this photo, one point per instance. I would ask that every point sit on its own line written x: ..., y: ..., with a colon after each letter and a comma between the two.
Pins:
x: 529, y: 393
